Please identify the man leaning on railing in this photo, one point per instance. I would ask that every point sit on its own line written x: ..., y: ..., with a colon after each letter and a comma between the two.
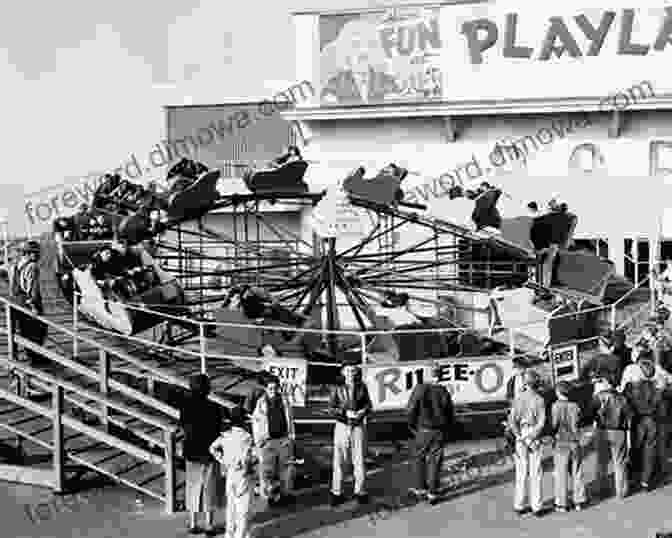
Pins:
x: 24, y: 290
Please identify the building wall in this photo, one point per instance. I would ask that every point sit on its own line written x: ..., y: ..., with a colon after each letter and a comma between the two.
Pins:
x: 621, y: 200
x: 265, y: 136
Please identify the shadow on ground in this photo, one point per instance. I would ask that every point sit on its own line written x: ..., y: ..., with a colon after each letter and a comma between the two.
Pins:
x: 463, y: 474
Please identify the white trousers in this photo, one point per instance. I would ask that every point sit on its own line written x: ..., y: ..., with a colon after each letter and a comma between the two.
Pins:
x: 528, y: 475
x: 238, y: 506
x: 349, y: 446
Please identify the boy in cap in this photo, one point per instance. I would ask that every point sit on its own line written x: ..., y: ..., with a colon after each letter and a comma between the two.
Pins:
x: 645, y: 398
x: 567, y: 456
x: 234, y: 450
x: 613, y: 416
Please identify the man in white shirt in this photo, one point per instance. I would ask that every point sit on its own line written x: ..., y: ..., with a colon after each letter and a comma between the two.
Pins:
x: 633, y: 373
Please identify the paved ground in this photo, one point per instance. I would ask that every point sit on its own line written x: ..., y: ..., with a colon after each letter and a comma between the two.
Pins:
x: 477, y: 505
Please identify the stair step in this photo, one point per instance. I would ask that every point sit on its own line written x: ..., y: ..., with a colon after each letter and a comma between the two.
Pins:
x: 25, y: 420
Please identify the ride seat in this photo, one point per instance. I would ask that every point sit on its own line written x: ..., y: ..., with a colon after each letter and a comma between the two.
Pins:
x: 384, y: 189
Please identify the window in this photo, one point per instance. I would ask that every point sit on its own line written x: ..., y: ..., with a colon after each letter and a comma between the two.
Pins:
x: 636, y: 259
x: 598, y: 246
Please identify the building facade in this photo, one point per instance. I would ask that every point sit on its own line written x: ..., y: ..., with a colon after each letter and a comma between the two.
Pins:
x: 530, y: 100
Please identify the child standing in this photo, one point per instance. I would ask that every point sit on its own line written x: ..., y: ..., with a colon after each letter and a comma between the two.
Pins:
x: 567, y: 455
x: 234, y: 450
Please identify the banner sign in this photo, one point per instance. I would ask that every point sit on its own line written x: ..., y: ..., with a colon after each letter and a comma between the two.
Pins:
x: 470, y: 53
x: 565, y: 362
x: 468, y: 380
x: 293, y: 374
x: 386, y: 55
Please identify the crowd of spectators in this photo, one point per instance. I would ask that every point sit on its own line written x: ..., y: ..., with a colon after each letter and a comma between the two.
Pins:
x: 627, y: 419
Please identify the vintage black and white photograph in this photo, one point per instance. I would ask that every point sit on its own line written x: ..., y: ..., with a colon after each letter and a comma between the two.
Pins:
x: 312, y: 269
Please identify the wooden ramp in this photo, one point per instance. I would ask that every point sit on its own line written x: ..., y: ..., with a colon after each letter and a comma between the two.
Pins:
x: 106, y: 405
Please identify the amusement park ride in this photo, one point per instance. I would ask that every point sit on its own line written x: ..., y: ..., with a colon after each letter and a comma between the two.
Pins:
x: 142, y: 252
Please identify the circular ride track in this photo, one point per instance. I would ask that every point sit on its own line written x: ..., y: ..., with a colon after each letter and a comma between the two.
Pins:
x: 260, y: 271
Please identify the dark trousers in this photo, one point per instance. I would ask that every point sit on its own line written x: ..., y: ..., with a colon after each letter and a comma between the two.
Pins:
x: 428, y: 459
x: 30, y: 329
x: 646, y: 439
x: 664, y: 429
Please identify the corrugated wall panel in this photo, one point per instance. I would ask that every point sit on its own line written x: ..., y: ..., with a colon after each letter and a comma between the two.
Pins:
x: 260, y: 141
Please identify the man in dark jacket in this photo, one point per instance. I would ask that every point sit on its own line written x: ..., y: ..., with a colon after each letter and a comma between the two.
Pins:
x: 201, y: 421
x: 620, y: 348
x: 25, y: 291
x: 613, y: 415
x: 350, y: 404
x: 485, y: 212
x: 645, y: 398
x: 430, y: 418
x: 551, y: 233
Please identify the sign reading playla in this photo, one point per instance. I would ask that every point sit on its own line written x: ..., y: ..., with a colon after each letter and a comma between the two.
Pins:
x: 482, y: 34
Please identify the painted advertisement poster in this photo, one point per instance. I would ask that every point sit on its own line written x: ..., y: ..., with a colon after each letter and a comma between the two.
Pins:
x: 374, y: 57
x: 468, y: 380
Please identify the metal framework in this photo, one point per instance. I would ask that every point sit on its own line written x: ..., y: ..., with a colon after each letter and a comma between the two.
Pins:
x: 302, y: 276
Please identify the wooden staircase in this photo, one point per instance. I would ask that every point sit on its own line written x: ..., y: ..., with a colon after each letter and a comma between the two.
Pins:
x: 105, y: 406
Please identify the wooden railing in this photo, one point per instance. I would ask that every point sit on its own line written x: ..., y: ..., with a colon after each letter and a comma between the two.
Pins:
x: 59, y: 417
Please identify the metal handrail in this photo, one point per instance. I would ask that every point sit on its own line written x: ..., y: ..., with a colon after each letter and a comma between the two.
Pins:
x: 204, y: 355
x: 139, y: 363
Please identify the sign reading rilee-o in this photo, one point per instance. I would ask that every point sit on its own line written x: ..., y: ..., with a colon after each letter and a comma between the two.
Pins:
x: 292, y: 374
x: 469, y: 381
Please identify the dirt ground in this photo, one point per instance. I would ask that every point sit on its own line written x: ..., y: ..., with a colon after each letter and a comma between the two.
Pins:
x: 477, y: 476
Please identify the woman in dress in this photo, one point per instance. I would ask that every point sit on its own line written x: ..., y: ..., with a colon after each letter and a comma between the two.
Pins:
x: 201, y: 419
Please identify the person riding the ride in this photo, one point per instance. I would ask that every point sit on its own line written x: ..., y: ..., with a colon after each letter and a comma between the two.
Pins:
x: 292, y: 154
x: 116, y: 270
x: 184, y: 174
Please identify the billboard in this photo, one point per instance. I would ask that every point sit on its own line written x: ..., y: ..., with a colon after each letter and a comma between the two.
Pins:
x: 493, y: 53
x: 555, y: 51
x: 375, y: 57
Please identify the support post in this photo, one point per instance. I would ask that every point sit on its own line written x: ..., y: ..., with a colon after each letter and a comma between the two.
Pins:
x: 5, y: 243
x: 613, y: 318
x: 59, y: 452
x: 654, y: 256
x: 512, y: 342
x: 449, y: 129
x: 615, y: 124
x: 104, y: 371
x: 75, y: 323
x: 551, y: 358
x: 10, y: 331
x: 363, y: 343
x: 169, y: 470
x: 201, y: 331
x: 331, y: 295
